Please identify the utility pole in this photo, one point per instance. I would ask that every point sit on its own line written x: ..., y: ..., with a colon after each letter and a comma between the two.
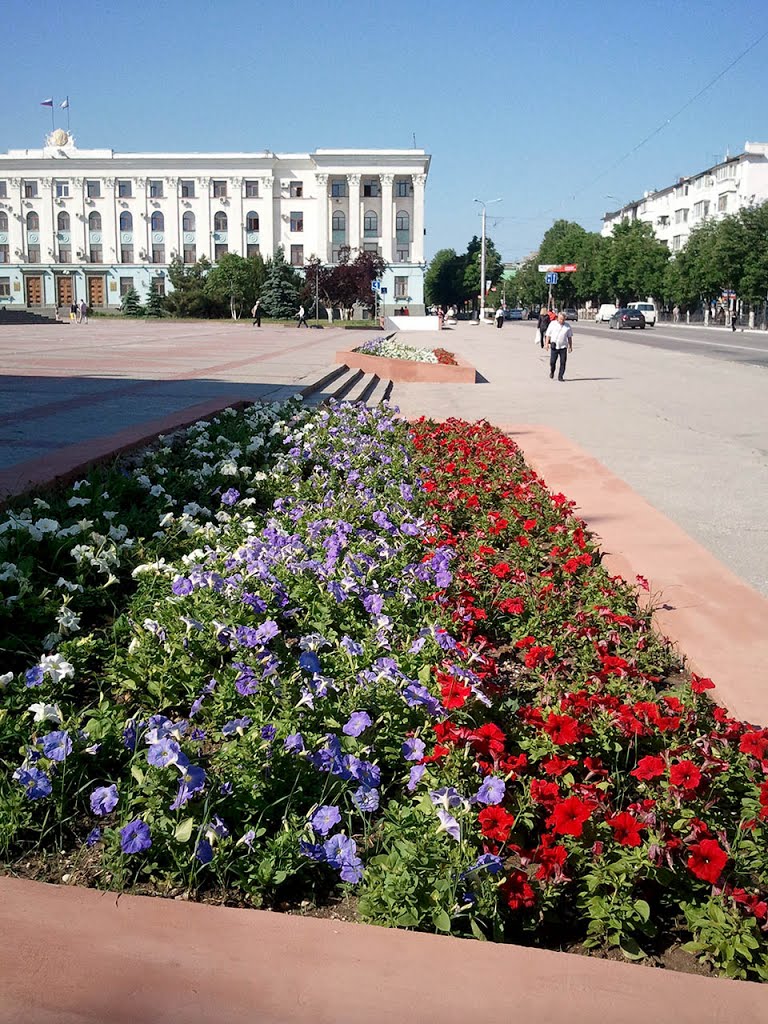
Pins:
x: 483, y: 203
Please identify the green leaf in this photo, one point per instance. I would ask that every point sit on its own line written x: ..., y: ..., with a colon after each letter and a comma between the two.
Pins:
x: 184, y: 830
x: 138, y: 774
x: 477, y: 930
x: 441, y: 921
x: 630, y: 949
x: 643, y: 909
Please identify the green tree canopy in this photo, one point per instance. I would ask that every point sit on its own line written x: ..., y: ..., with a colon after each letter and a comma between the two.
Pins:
x: 189, y: 297
x: 443, y: 282
x: 280, y: 291
x: 234, y: 283
x: 633, y: 262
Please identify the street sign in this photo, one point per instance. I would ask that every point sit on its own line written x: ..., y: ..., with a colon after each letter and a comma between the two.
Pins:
x: 375, y: 285
x: 558, y: 268
x: 383, y: 291
x: 550, y: 278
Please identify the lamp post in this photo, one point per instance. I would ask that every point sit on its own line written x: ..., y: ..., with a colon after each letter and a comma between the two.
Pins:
x: 483, y: 203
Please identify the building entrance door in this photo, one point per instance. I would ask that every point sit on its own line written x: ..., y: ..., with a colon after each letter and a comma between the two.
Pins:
x: 64, y: 292
x: 95, y: 291
x: 34, y: 291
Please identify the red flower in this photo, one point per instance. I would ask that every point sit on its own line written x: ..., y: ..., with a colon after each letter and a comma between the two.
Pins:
x: 545, y: 793
x: 754, y: 744
x: 496, y: 823
x: 454, y: 694
x: 562, y: 729
x: 626, y: 829
x: 488, y: 740
x: 550, y: 857
x: 501, y: 569
x: 649, y: 768
x: 707, y: 860
x: 512, y: 605
x: 558, y: 765
x: 699, y: 685
x: 569, y: 816
x: 684, y: 775
x: 518, y: 892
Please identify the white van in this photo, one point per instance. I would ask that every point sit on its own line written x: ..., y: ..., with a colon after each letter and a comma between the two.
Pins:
x: 647, y: 309
x: 605, y: 313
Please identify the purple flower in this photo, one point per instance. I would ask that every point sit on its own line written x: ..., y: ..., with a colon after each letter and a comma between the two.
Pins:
x: 448, y: 797
x: 131, y: 734
x: 218, y: 827
x: 373, y: 603
x: 33, y: 676
x: 488, y: 862
x: 366, y: 800
x: 161, y: 754
x: 104, y: 799
x: 492, y: 791
x: 351, y: 646
x: 310, y: 662
x: 35, y: 782
x: 358, y: 723
x: 324, y: 819
x: 135, y: 837
x: 204, y: 852
x: 182, y: 586
x: 268, y: 732
x: 237, y: 725
x: 415, y: 776
x: 341, y: 853
x: 93, y: 837
x: 230, y: 497
x: 413, y: 749
x: 248, y: 838
x: 226, y: 789
x: 57, y: 745
x: 448, y: 824
x: 192, y: 781
x: 313, y: 850
x: 294, y: 743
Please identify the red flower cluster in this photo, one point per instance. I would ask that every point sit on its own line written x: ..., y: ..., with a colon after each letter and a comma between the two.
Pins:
x: 445, y: 357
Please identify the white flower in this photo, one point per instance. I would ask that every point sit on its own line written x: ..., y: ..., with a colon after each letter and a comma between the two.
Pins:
x: 228, y: 468
x: 157, y: 490
x: 167, y: 519
x: 66, y: 585
x: 5, y: 678
x: 46, y: 713
x: 74, y: 502
x: 82, y: 553
x: 109, y: 516
x: 78, y: 484
x: 39, y: 503
x: 8, y: 571
x: 160, y: 566
x: 47, y: 525
x: 52, y: 640
x: 57, y: 667
x: 67, y: 619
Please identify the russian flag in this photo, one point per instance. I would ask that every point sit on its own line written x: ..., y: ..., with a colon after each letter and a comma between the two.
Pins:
x: 46, y: 103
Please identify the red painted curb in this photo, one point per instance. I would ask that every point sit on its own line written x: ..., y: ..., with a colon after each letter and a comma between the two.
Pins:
x: 405, y: 371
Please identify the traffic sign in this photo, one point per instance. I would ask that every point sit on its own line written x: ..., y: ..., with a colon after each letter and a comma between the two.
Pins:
x: 550, y: 278
x: 375, y: 285
x: 558, y: 268
x: 383, y: 291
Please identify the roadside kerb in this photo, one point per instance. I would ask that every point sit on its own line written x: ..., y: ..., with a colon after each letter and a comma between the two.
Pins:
x: 409, y: 371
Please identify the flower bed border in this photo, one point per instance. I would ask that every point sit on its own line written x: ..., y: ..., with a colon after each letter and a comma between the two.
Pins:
x: 403, y: 371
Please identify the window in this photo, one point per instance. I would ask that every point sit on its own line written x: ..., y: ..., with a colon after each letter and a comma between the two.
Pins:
x: 402, y: 189
x: 126, y: 254
x: 252, y: 190
x: 4, y: 254
x: 220, y: 221
x: 701, y: 209
x: 124, y: 191
x: 3, y: 221
x: 30, y: 190
x: 3, y: 190
x: 722, y: 203
x: 338, y: 221
x: 156, y: 189
x: 251, y: 221
x: 96, y: 255
x: 62, y: 221
x: 126, y: 283
x: 664, y: 221
x: 158, y: 254
x: 296, y: 189
x: 158, y: 283
x: 157, y: 221
x: 371, y: 224
x: 371, y: 188
x: 126, y: 221
x: 93, y: 189
x: 728, y: 171
x: 371, y: 247
x: 297, y: 255
x: 677, y: 242
x: 188, y: 189
x: 402, y: 221
x: 402, y: 255
x: 338, y: 189
x: 335, y: 253
x: 94, y: 221
x: 297, y: 220
x: 219, y: 190
x: 65, y: 254
x: 681, y: 216
x: 401, y: 287
x: 188, y: 222
x: 33, y: 254
x: 252, y: 250
x: 62, y: 190
x: 5, y: 287
x: 190, y: 254
x: 219, y: 250
x: 33, y: 222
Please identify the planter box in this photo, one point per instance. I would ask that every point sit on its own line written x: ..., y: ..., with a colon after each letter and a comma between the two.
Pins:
x: 404, y: 371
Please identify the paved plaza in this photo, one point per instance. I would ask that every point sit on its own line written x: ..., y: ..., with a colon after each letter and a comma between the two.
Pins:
x: 688, y: 433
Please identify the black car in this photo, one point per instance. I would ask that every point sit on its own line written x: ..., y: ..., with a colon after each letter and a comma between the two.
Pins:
x: 533, y: 314
x: 627, y: 318
x: 571, y: 313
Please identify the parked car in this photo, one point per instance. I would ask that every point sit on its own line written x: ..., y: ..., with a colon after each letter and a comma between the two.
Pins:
x: 647, y: 309
x: 513, y: 314
x: 605, y: 313
x: 533, y: 313
x: 627, y: 318
x: 571, y: 313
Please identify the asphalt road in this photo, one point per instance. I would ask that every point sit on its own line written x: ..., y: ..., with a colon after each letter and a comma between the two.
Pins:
x: 745, y: 347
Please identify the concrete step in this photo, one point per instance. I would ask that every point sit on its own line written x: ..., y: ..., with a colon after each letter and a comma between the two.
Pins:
x: 361, y: 391
x: 343, y: 384
x: 380, y: 393
x: 314, y: 384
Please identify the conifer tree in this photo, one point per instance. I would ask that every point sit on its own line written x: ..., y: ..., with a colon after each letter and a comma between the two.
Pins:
x: 130, y: 304
x: 280, y: 292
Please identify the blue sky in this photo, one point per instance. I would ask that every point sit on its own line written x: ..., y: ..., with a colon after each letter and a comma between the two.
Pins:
x: 533, y: 102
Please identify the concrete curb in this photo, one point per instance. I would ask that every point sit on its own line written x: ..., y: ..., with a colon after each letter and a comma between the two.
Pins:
x: 410, y: 372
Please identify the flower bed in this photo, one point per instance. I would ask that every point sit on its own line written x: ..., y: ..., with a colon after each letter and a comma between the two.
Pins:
x: 378, y: 657
x: 397, y: 361
x: 389, y: 348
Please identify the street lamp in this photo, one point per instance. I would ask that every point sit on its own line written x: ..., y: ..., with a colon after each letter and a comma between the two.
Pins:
x: 482, y: 257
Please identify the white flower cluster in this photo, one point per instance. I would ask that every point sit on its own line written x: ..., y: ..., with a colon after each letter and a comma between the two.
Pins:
x: 391, y: 349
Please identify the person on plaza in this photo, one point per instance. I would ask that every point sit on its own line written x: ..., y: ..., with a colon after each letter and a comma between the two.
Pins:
x: 83, y: 312
x: 675, y: 314
x: 73, y: 312
x: 543, y: 324
x: 440, y: 318
x: 734, y: 320
x: 499, y: 315
x: 256, y: 314
x: 302, y: 317
x: 559, y: 342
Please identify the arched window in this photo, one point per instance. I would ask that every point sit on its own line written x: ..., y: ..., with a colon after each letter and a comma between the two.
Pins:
x: 94, y: 221
x: 3, y: 221
x: 158, y: 221
x: 188, y: 222
x: 62, y: 221
x: 371, y: 224
x: 220, y: 221
x: 126, y: 221
x: 33, y: 222
x: 251, y: 221
x: 402, y: 221
x: 338, y: 221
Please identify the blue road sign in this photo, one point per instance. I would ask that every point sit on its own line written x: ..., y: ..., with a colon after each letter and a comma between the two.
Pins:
x: 550, y: 278
x: 375, y: 285
x: 383, y: 291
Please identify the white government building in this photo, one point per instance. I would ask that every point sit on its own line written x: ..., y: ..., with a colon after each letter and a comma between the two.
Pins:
x: 725, y: 188
x: 91, y: 223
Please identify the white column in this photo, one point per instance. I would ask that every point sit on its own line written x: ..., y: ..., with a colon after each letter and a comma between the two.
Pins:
x: 268, y: 242
x: 323, y: 235
x: 387, y: 225
x: 237, y: 241
x: 204, y: 220
x: 353, y: 184
x: 417, y: 250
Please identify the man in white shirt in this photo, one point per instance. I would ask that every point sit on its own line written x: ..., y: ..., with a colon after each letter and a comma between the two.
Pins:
x: 559, y: 342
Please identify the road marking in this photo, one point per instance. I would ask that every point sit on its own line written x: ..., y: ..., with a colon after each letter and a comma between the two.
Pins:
x: 702, y: 341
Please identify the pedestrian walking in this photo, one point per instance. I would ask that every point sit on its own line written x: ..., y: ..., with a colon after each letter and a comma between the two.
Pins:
x: 560, y: 343
x: 440, y: 318
x: 499, y: 314
x: 83, y: 312
x: 256, y: 314
x: 675, y: 314
x: 544, y: 322
x: 734, y: 320
x: 302, y: 317
x: 73, y: 310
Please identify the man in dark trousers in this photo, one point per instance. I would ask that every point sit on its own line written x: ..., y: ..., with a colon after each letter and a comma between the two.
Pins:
x: 544, y: 321
x: 559, y: 343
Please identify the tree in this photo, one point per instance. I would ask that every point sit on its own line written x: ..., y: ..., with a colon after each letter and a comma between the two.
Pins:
x: 130, y: 303
x: 529, y: 283
x: 235, y: 282
x: 443, y: 284
x: 154, y: 305
x: 633, y: 262
x: 280, y: 291
x: 753, y: 284
x: 367, y: 268
x: 494, y: 268
x: 189, y: 297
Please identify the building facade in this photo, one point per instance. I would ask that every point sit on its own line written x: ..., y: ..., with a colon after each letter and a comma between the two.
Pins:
x: 92, y: 223
x: 720, y: 190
